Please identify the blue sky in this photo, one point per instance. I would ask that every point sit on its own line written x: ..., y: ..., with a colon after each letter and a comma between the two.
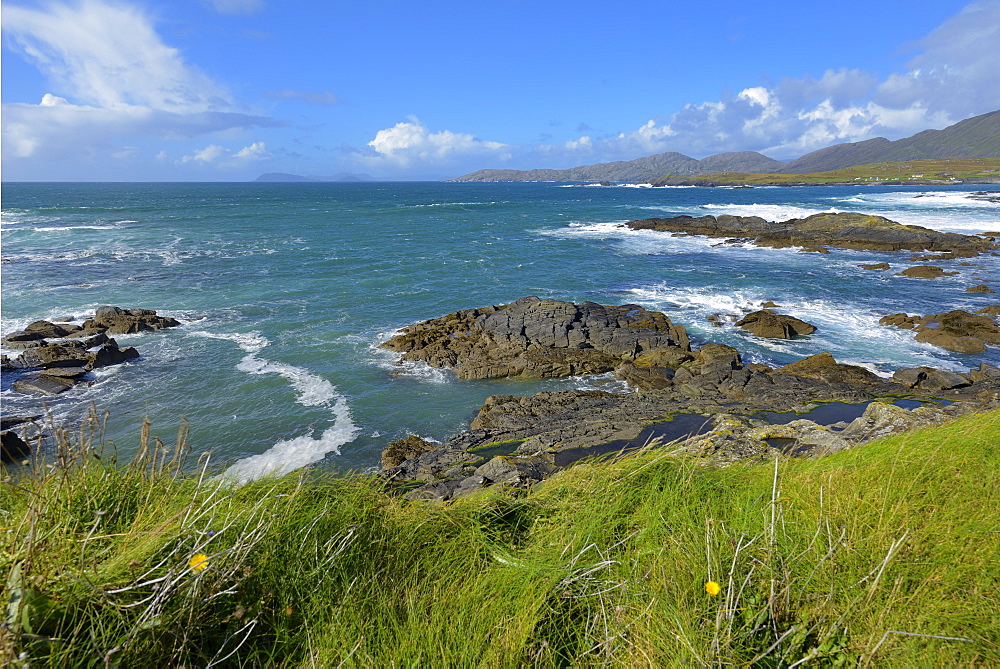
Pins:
x: 224, y: 90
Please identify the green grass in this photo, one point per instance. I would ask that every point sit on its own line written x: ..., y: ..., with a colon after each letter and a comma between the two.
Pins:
x: 916, y: 171
x: 827, y: 561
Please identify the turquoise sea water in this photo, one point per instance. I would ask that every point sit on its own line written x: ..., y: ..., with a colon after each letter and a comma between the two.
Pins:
x: 286, y: 289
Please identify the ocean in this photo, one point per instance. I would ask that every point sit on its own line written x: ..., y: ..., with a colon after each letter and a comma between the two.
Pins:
x: 285, y: 291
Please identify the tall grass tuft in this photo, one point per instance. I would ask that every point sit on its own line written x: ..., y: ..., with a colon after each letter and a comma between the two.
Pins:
x: 885, y: 554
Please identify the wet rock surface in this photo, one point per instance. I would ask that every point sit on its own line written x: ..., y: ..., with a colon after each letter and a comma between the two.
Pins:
x: 843, y: 230
x: 48, y: 368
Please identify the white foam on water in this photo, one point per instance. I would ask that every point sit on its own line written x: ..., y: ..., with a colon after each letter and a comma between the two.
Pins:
x: 289, y: 455
x: 947, y: 211
x: 72, y: 227
x: 313, y: 390
x: 851, y: 333
x: 769, y: 212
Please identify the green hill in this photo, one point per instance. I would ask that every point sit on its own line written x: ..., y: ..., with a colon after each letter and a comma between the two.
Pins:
x: 977, y: 137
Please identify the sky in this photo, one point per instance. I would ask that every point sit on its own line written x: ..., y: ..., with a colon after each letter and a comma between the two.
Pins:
x: 225, y: 90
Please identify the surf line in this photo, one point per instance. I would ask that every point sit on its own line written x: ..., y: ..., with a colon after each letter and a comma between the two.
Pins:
x: 291, y: 454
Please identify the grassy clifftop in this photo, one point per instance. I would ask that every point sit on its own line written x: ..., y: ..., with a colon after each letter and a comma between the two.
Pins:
x: 887, y: 553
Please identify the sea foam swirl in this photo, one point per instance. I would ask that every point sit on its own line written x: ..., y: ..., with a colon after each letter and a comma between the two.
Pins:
x: 313, y: 391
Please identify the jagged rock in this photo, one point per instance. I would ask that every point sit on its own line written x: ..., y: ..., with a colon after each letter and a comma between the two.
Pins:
x: 766, y: 323
x: 878, y: 265
x: 824, y: 367
x: 814, y: 249
x: 644, y: 377
x: 925, y: 272
x: 844, y: 230
x: 115, y: 320
x: 112, y: 355
x: 981, y: 288
x: 882, y: 419
x: 68, y: 354
x: 537, y: 338
x: 516, y: 470
x: 992, y: 310
x: 404, y: 449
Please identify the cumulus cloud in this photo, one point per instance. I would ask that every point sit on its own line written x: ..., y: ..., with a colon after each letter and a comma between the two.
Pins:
x: 309, y: 97
x: 411, y: 142
x: 115, y: 78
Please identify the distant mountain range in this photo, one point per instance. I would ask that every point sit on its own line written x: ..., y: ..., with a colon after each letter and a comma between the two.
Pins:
x: 280, y: 177
x: 976, y: 137
x: 639, y: 169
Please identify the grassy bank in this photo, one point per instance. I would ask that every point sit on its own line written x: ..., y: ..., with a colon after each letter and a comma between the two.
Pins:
x: 951, y: 170
x: 872, y: 555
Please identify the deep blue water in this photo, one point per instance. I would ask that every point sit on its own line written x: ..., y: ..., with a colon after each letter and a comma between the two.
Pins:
x: 287, y: 289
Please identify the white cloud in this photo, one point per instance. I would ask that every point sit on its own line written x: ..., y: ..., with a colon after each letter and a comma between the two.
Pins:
x: 114, y: 78
x: 213, y: 154
x: 408, y: 143
x: 108, y: 55
x: 256, y: 151
x: 309, y: 97
x: 210, y: 154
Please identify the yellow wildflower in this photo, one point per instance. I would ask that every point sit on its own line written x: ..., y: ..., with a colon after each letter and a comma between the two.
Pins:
x: 712, y: 588
x: 198, y: 562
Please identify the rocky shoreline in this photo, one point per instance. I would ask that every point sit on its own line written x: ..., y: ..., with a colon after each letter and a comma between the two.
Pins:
x: 58, y: 356
x: 519, y: 441
x: 846, y: 230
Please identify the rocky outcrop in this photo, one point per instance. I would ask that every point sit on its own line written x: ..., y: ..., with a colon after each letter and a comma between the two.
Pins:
x: 55, y: 367
x: 538, y: 338
x: 712, y: 382
x: 518, y: 441
x: 981, y: 288
x: 956, y: 330
x: 877, y: 265
x: 843, y: 230
x: 766, y: 323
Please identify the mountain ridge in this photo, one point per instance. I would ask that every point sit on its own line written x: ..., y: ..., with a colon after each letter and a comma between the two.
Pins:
x: 975, y: 137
